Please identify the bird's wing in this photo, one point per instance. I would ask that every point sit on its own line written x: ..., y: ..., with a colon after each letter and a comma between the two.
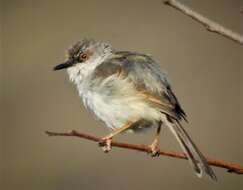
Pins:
x: 147, y: 78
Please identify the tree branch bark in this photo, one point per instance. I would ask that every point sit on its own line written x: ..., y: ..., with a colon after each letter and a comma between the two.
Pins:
x: 209, y: 24
x: 230, y: 167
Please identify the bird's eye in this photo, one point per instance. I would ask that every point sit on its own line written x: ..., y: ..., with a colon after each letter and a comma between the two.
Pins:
x: 83, y: 56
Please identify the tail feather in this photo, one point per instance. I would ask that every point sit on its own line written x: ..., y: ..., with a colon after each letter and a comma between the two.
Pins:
x: 196, y: 158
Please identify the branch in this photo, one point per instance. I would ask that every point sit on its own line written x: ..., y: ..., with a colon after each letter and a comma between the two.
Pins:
x: 209, y: 24
x: 230, y: 167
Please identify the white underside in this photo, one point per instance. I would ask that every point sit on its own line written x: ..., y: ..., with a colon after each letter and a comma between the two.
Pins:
x: 117, y: 110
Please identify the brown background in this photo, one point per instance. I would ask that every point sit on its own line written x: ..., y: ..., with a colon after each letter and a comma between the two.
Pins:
x: 204, y: 68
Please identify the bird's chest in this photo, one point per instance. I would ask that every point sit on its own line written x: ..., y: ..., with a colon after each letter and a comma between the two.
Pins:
x: 115, y: 102
x: 102, y: 108
x: 108, y: 102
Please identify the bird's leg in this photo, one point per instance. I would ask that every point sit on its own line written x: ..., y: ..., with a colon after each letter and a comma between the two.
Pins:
x: 105, y: 143
x: 154, y: 146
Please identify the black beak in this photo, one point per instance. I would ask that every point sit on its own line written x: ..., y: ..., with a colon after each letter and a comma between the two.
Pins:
x: 64, y: 65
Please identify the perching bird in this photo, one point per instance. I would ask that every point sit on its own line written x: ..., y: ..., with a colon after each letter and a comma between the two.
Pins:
x: 127, y: 91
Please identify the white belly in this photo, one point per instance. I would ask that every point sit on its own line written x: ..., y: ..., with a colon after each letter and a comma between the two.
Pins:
x: 117, y: 109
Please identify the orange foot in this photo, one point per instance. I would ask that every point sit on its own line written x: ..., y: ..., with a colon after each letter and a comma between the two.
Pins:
x: 105, y: 144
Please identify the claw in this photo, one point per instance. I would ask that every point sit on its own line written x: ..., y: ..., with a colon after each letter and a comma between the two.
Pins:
x: 154, y: 153
x: 105, y: 143
x: 154, y: 150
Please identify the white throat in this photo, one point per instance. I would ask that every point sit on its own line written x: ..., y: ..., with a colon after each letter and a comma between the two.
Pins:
x: 78, y: 73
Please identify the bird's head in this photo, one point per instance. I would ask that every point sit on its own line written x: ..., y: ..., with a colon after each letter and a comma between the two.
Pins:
x: 84, y: 56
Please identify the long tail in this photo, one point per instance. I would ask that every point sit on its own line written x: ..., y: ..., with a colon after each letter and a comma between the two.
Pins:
x: 196, y: 158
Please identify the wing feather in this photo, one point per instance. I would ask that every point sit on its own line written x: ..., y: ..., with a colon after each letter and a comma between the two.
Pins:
x: 147, y: 78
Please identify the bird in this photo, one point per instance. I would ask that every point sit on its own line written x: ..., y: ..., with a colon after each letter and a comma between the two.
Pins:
x: 128, y: 91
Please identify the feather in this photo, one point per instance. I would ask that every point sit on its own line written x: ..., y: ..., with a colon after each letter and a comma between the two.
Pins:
x: 196, y: 158
x: 145, y: 76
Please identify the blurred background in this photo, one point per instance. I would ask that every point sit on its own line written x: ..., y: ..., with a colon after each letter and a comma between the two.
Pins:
x: 205, y: 70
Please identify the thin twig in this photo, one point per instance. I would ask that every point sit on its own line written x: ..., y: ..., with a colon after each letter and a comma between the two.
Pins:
x: 209, y: 24
x: 230, y: 167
